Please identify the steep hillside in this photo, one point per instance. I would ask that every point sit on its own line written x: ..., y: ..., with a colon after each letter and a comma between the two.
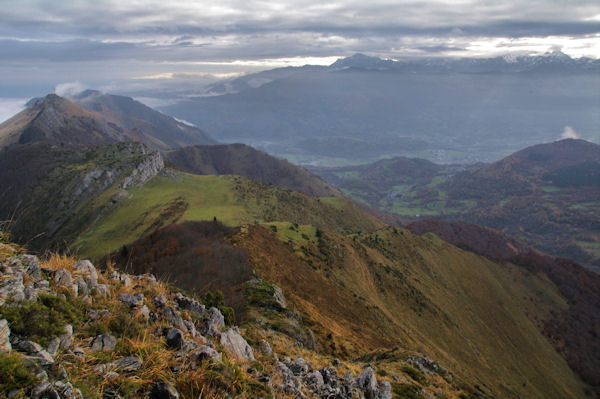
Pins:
x: 390, y: 288
x: 57, y: 120
x: 96, y: 119
x: 574, y: 331
x: 52, y: 192
x: 377, y: 297
x: 545, y: 195
x: 240, y: 159
x: 140, y: 122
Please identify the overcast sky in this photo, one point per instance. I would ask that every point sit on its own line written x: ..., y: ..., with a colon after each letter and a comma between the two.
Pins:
x: 137, y: 45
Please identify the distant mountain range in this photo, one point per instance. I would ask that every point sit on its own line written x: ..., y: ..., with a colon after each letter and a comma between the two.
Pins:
x: 362, y: 108
x: 93, y: 118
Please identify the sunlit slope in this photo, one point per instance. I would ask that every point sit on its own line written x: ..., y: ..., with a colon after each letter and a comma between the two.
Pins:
x: 389, y: 288
x: 233, y: 200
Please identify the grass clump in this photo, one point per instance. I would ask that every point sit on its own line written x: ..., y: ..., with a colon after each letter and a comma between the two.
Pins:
x: 406, y: 391
x: 14, y: 374
x: 415, y: 374
x: 43, y: 319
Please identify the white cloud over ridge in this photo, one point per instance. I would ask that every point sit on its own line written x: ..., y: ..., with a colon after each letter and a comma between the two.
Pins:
x: 569, y: 133
x: 69, y: 89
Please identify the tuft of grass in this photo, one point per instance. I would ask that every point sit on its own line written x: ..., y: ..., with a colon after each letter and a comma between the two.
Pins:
x: 406, y: 391
x: 415, y: 374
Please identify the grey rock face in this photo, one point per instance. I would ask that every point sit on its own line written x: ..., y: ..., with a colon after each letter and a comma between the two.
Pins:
x: 132, y: 300
x: 207, y: 353
x: 163, y: 390
x: 314, y: 381
x: 88, y: 271
x: 5, y: 345
x: 34, y: 350
x: 213, y: 322
x: 53, y: 346
x: 33, y: 266
x: 63, y: 278
x: 330, y: 376
x: 104, y: 343
x: 299, y: 366
x: 125, y: 364
x: 189, y: 304
x: 385, y: 390
x: 11, y: 287
x: 368, y: 383
x: 279, y: 298
x: 160, y: 300
x: 173, y: 317
x: 175, y: 338
x: 236, y: 344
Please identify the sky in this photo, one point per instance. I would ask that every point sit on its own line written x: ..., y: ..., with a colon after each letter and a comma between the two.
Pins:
x: 146, y: 47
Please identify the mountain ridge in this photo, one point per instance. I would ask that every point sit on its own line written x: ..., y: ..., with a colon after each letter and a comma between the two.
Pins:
x: 93, y: 118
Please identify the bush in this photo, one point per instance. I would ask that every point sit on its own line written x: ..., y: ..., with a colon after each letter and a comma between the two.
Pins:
x: 414, y: 374
x: 13, y: 374
x: 43, y: 319
x: 406, y: 391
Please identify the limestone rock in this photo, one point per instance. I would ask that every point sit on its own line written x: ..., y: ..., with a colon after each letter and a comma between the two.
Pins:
x: 63, y: 278
x: 213, y: 321
x: 104, y: 343
x: 207, y: 353
x: 34, y: 350
x: 175, y: 338
x: 368, y: 383
x: 189, y: 304
x: 11, y: 287
x: 5, y: 345
x: 88, y: 271
x: 164, y: 390
x: 132, y: 300
x: 232, y: 340
x: 33, y: 266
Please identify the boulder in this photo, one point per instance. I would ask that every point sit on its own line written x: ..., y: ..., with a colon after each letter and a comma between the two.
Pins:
x: 11, y: 287
x: 5, y: 345
x: 367, y: 383
x: 104, y: 343
x: 299, y: 366
x: 190, y: 304
x: 33, y: 266
x: 132, y: 300
x: 163, y: 390
x: 206, y: 353
x: 175, y: 338
x: 63, y: 278
x: 232, y: 341
x: 278, y: 296
x: 33, y: 350
x: 174, y: 318
x: 88, y: 271
x: 213, y: 322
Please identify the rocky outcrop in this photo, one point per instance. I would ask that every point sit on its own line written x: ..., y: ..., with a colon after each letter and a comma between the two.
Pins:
x: 233, y: 342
